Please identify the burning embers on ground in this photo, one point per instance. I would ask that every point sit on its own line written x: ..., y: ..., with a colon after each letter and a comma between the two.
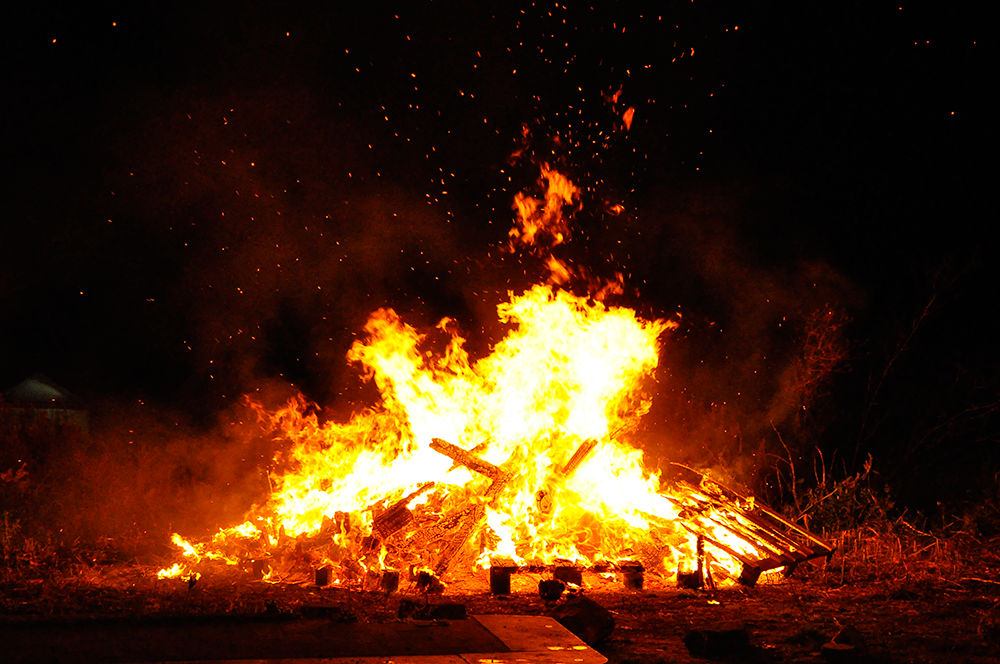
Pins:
x: 518, y: 459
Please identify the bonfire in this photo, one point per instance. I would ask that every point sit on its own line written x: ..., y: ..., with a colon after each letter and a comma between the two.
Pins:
x: 522, y: 458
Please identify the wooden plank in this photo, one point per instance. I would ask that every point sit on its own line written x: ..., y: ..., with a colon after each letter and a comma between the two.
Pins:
x: 777, y: 517
x: 466, y: 458
x: 717, y: 493
x: 722, y: 489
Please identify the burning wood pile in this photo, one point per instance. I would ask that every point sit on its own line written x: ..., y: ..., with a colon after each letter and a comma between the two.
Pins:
x: 519, y: 460
x: 365, y: 501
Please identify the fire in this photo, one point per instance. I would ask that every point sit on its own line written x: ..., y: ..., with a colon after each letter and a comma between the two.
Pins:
x: 174, y: 571
x: 538, y: 218
x: 565, y: 373
x: 521, y: 454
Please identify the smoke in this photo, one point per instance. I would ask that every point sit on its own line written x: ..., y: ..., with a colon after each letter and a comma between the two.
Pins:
x: 758, y: 339
x: 137, y: 474
x: 273, y: 249
x: 249, y: 234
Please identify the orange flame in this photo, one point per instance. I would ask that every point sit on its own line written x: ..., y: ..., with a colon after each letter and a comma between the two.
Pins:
x: 523, y: 447
x: 627, y: 117
x: 537, y: 218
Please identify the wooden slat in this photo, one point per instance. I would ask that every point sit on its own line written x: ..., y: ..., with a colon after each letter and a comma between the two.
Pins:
x: 466, y: 458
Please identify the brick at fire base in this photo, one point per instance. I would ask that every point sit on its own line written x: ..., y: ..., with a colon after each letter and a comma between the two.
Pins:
x: 568, y: 574
x: 390, y: 581
x: 632, y: 575
x: 690, y: 580
x: 324, y: 575
x: 500, y: 571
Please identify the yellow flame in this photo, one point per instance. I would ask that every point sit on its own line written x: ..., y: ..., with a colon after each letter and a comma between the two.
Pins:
x: 542, y: 423
x: 186, y: 547
x: 174, y: 571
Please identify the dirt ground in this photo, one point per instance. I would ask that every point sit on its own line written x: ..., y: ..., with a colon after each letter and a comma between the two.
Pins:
x: 903, y: 611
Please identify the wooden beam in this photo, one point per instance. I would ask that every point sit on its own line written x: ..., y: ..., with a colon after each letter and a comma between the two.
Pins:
x: 466, y: 458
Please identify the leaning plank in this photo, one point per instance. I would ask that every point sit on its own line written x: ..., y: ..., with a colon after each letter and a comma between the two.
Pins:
x: 747, y: 509
x: 776, y: 548
x: 471, y: 522
x: 754, y: 528
x: 722, y: 547
x: 759, y: 540
x: 762, y: 528
x: 763, y: 509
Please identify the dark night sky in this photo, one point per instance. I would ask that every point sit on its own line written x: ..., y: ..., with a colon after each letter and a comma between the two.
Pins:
x: 203, y: 201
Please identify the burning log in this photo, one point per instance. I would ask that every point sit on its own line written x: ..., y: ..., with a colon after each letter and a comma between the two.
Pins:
x: 471, y: 522
x: 393, y: 519
x: 651, y: 553
x: 467, y: 459
x: 424, y: 537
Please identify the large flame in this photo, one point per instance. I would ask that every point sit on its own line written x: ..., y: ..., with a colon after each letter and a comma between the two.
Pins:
x: 519, y: 454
